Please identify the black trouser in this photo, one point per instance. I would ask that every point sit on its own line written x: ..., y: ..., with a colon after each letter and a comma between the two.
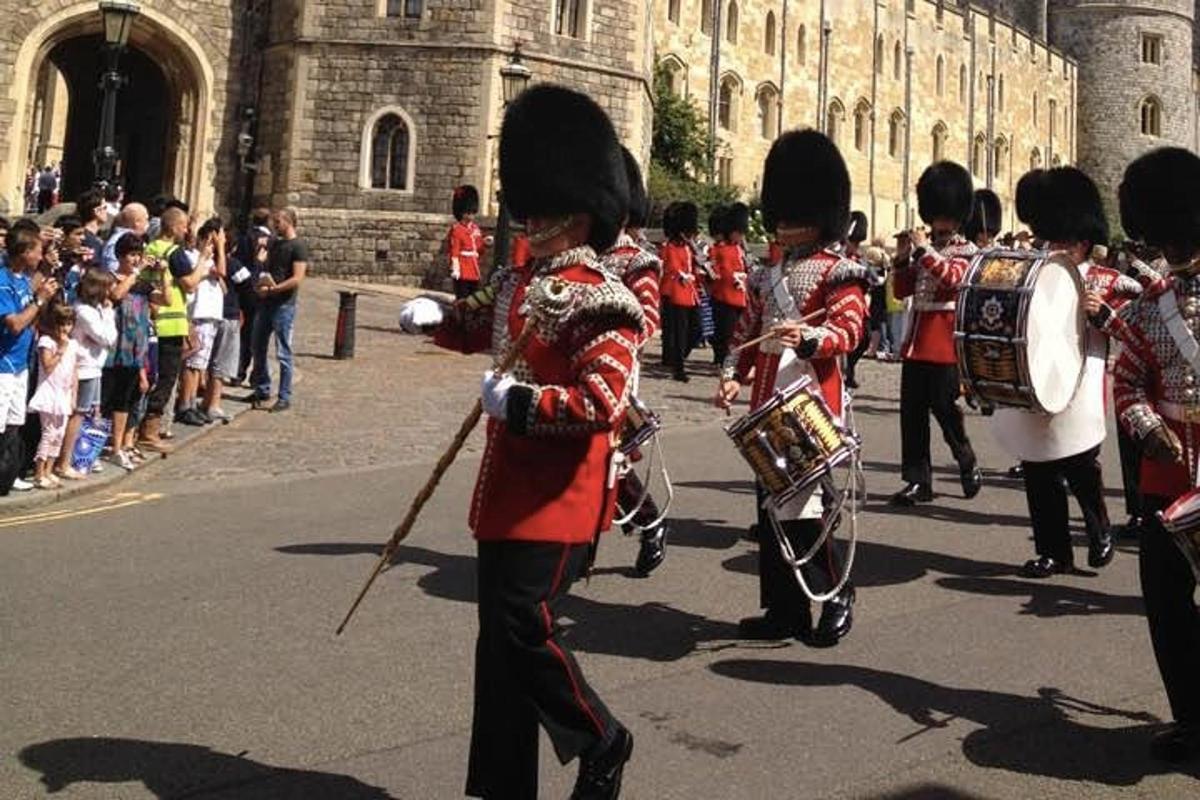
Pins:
x: 1047, y: 501
x: 725, y: 318
x: 1169, y: 588
x: 677, y: 326
x: 246, y: 341
x: 170, y: 358
x: 1131, y: 465
x: 10, y: 457
x: 45, y: 199
x: 629, y: 494
x: 464, y: 288
x: 524, y: 673
x: 930, y: 388
x: 779, y: 591
x: 857, y: 353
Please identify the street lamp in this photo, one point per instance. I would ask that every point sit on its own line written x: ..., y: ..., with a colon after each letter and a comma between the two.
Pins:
x: 118, y: 16
x: 514, y: 77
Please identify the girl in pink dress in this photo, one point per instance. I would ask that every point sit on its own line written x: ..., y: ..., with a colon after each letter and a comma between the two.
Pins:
x: 55, y: 396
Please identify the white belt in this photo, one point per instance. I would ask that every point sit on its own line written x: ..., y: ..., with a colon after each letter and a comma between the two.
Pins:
x: 1178, y: 412
x: 948, y: 306
x: 468, y: 253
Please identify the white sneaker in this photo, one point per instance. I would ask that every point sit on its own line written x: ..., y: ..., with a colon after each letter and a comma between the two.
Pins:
x: 21, y: 485
x: 121, y: 459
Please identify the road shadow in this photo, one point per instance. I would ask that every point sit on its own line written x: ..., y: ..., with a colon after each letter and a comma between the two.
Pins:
x: 1047, y: 599
x: 649, y: 631
x: 174, y: 770
x: 878, y: 564
x: 703, y: 534
x: 318, y: 356
x: 1026, y: 735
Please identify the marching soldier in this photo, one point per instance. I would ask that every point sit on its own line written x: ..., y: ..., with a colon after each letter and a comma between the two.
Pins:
x: 1154, y: 391
x: 813, y: 277
x: 639, y: 269
x: 930, y: 271
x: 680, y: 294
x: 727, y: 260
x: 1068, y: 214
x: 544, y: 492
x: 465, y: 241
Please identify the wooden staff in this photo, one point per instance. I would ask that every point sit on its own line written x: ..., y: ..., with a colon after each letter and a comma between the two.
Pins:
x: 771, y: 334
x: 402, y: 530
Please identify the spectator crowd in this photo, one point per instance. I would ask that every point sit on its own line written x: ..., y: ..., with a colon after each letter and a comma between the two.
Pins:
x: 117, y: 322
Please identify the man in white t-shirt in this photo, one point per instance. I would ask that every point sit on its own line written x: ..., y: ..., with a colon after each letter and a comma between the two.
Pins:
x: 205, y: 307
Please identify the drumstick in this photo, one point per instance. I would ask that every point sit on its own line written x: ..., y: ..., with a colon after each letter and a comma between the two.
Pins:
x: 771, y: 334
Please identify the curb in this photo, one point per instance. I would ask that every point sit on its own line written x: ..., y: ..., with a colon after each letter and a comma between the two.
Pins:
x: 112, y: 475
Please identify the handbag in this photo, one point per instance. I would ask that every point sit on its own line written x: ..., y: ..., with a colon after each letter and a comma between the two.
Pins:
x: 93, y: 434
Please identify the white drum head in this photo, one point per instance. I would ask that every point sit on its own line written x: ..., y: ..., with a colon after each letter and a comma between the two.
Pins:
x: 1055, y: 333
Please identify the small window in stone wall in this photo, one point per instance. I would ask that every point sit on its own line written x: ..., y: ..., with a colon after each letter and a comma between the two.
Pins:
x: 389, y: 153
x: 673, y: 11
x: 725, y: 171
x: 896, y: 134
x: 407, y: 9
x: 706, y: 16
x: 1151, y: 113
x: 1152, y: 47
x: 570, y: 18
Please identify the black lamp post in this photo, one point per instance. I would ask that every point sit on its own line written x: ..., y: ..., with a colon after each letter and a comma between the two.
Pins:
x: 514, y: 77
x: 118, y: 20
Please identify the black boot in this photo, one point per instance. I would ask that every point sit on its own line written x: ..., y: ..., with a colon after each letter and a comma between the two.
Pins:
x: 600, y: 773
x: 972, y: 482
x: 652, y: 550
x: 1100, y: 552
x: 1045, y: 566
x: 911, y: 494
x: 1130, y: 530
x: 837, y: 617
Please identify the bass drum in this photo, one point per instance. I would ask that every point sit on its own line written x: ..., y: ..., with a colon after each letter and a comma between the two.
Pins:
x: 1020, y: 330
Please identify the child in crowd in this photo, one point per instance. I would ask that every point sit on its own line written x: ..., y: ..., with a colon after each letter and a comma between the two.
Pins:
x: 125, y: 378
x: 205, y: 314
x: 96, y: 332
x: 55, y: 395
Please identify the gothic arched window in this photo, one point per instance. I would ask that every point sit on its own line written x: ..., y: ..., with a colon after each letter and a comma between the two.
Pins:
x: 769, y: 34
x: 1151, y: 113
x: 388, y: 152
x: 731, y: 24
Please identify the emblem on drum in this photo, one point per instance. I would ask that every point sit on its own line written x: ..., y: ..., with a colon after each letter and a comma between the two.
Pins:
x: 991, y: 312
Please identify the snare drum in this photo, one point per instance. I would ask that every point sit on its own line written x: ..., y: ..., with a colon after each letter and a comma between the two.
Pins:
x: 641, y: 425
x: 792, y: 441
x: 1019, y: 330
x: 1182, y: 521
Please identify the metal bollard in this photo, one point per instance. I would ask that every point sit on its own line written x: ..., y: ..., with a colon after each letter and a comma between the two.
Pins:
x: 343, y: 336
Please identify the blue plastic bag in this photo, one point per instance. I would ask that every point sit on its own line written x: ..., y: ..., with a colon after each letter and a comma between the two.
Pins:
x: 93, y: 435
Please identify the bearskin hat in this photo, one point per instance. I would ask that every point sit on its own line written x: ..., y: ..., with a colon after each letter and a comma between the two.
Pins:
x: 559, y: 155
x: 639, y: 203
x: 1029, y: 189
x: 945, y: 191
x: 1067, y: 208
x: 858, y: 227
x: 986, y: 213
x: 1156, y: 206
x: 718, y: 221
x: 466, y: 200
x: 687, y: 218
x: 737, y: 219
x: 669, y: 227
x: 805, y: 182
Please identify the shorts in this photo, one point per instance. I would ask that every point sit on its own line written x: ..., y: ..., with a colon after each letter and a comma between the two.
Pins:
x: 87, y: 396
x: 119, y: 390
x: 227, y: 350
x: 204, y: 333
x: 14, y: 389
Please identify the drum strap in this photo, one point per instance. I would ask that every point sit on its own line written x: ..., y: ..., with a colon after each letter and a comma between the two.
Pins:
x: 1177, y: 326
x: 779, y: 287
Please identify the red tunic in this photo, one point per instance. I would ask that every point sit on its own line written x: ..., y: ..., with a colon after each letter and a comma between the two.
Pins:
x: 545, y: 471
x: 466, y: 245
x: 641, y: 271
x: 729, y: 267
x: 933, y: 283
x: 521, y: 256
x: 822, y: 281
x: 1153, y: 383
x: 678, y: 286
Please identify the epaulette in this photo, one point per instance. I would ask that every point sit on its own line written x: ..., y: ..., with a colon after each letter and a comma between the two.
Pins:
x: 848, y: 271
x: 608, y: 300
x: 1127, y: 285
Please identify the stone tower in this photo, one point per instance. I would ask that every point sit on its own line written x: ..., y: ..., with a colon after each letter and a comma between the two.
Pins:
x: 1136, y: 89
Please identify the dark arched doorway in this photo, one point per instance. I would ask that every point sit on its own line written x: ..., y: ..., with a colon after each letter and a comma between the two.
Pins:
x: 143, y: 124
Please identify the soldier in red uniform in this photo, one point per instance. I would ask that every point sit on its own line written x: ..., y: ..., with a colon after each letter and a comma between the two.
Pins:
x: 545, y: 489
x: 806, y: 203
x: 1154, y: 388
x: 930, y: 272
x: 726, y: 259
x: 465, y: 241
x: 680, y: 294
x: 632, y: 262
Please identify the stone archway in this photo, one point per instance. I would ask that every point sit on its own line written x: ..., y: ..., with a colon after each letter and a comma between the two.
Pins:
x: 171, y: 69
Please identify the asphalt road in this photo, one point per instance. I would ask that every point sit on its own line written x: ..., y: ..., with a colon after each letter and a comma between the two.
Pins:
x: 177, y: 640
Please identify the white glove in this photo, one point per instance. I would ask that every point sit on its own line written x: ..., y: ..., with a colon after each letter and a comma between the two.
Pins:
x: 455, y: 269
x: 494, y: 393
x: 418, y: 315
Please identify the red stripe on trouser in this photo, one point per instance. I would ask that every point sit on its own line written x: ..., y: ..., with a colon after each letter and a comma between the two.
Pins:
x: 559, y: 654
